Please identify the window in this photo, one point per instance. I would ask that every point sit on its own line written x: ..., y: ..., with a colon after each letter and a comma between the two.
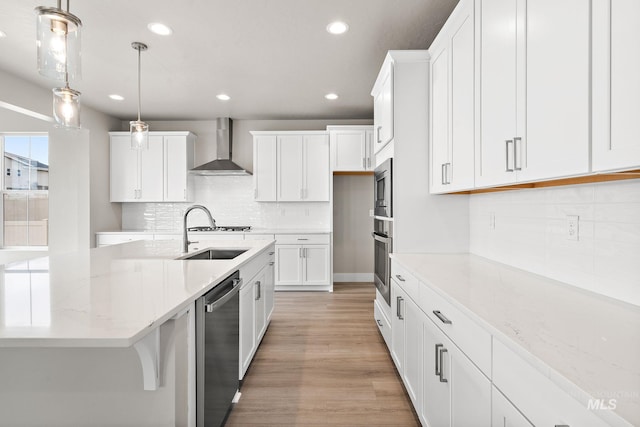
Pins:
x: 25, y: 194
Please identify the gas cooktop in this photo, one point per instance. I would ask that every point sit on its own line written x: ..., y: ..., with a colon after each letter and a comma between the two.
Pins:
x: 222, y: 228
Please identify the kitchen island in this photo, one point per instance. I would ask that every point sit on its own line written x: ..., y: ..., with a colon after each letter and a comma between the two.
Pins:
x: 105, y: 336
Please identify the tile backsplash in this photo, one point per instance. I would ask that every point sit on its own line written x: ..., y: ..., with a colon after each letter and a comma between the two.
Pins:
x: 230, y: 200
x: 528, y: 229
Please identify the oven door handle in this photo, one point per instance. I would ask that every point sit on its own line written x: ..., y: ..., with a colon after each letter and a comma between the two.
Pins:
x: 380, y: 238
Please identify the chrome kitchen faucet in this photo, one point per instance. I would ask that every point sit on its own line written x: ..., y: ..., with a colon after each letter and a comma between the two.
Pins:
x: 185, y: 238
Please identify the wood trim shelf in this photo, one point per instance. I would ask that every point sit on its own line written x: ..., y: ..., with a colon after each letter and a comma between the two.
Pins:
x: 589, y: 179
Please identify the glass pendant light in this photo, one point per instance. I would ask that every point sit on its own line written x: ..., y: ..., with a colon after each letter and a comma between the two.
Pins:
x: 139, y: 129
x: 66, y: 107
x: 58, y: 43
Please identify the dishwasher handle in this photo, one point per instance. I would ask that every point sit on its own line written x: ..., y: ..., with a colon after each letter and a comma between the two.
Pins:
x: 212, y: 306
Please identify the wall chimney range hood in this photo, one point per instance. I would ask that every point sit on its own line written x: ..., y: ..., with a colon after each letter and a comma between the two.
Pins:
x: 223, y: 164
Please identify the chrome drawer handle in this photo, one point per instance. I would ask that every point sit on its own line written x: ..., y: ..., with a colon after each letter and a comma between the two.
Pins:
x: 399, y: 277
x: 271, y: 253
x: 379, y: 322
x: 442, y: 317
x: 441, y: 373
x: 436, y: 359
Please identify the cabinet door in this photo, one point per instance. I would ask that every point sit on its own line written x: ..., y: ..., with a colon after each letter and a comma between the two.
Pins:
x: 462, y: 104
x: 348, y: 150
x: 470, y: 391
x: 369, y: 150
x: 557, y: 89
x: 439, y: 118
x: 398, y: 298
x: 616, y: 85
x: 436, y: 403
x: 504, y: 414
x: 290, y: 168
x: 260, y: 304
x: 264, y: 168
x: 178, y: 159
x: 247, y: 326
x: 152, y: 171
x: 123, y: 170
x: 317, y: 170
x: 383, y: 111
x: 412, y: 375
x: 288, y: 265
x: 316, y: 265
x: 269, y: 291
x: 499, y: 97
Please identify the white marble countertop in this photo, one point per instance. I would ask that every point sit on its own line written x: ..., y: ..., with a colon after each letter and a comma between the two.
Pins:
x: 587, y: 344
x: 253, y: 231
x: 107, y: 297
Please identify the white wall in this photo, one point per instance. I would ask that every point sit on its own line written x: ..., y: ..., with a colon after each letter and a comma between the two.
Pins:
x: 352, y: 227
x: 530, y: 233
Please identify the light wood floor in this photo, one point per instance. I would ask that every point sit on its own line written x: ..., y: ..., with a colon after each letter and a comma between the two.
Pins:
x: 323, y: 362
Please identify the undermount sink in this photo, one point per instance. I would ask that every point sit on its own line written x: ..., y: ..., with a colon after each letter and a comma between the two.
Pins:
x: 216, y: 254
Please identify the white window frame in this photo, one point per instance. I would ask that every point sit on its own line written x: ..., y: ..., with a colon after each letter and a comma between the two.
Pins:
x: 3, y: 191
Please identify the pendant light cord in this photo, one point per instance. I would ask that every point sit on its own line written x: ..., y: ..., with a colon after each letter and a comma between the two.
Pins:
x: 138, y: 49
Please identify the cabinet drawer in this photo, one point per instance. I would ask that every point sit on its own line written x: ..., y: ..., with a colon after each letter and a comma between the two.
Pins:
x: 472, y: 339
x: 406, y: 280
x: 252, y: 236
x: 114, y: 239
x: 535, y: 395
x: 249, y: 270
x: 383, y: 324
x: 302, y: 239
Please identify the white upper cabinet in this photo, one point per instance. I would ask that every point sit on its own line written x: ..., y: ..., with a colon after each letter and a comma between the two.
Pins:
x: 264, y: 167
x: 156, y: 174
x: 452, y: 102
x: 616, y: 85
x: 316, y: 173
x: 556, y: 143
x: 383, y: 107
x: 534, y: 90
x: 291, y: 166
x: 178, y: 160
x: 351, y: 148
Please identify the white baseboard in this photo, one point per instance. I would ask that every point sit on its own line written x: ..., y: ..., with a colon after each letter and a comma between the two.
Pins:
x: 353, y: 277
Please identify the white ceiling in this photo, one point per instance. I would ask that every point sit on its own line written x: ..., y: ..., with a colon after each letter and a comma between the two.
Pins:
x: 273, y: 57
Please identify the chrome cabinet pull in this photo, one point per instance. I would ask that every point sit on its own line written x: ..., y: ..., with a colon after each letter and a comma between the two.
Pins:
x: 436, y: 359
x: 400, y: 278
x: 508, y: 157
x: 442, y: 173
x: 379, y: 322
x: 447, y: 173
x: 271, y: 263
x: 300, y: 252
x: 271, y: 253
x: 401, y: 311
x: 303, y: 239
x: 364, y: 163
x: 368, y: 162
x: 398, y: 299
x: 378, y: 129
x: 258, y: 290
x: 441, y: 373
x: 517, y: 153
x: 442, y: 317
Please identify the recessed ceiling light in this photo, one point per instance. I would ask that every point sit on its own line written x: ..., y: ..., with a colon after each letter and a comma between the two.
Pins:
x: 331, y: 96
x: 116, y: 97
x: 337, y: 27
x: 160, y: 29
x: 223, y: 97
x: 2, y: 34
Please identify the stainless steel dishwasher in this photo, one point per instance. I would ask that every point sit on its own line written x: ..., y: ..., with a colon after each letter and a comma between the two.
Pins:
x: 217, y: 348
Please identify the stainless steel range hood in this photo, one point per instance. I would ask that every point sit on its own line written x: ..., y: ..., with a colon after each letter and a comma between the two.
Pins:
x: 223, y: 164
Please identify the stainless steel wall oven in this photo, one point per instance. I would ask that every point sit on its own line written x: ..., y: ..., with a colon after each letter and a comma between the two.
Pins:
x: 383, y: 203
x: 383, y: 245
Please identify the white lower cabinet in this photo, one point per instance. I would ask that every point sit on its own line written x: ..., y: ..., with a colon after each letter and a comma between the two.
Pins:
x: 303, y: 260
x: 398, y: 298
x: 456, y: 393
x: 256, y: 307
x: 504, y: 414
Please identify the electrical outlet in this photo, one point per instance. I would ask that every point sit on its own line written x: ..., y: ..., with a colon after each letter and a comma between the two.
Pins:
x: 492, y: 220
x: 573, y: 227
